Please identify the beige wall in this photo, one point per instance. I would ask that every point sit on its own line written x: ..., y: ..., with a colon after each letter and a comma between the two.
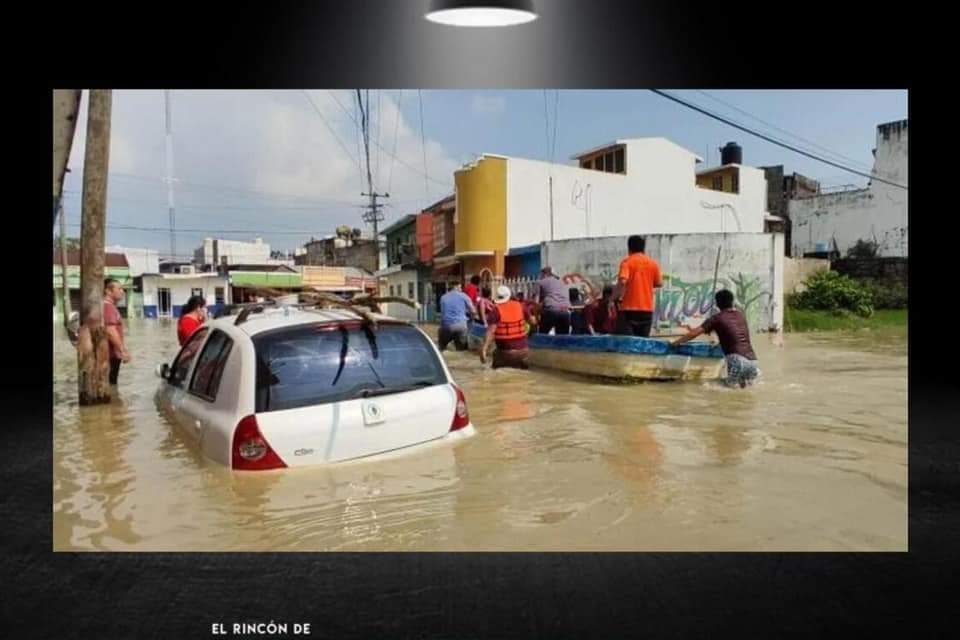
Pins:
x: 796, y: 270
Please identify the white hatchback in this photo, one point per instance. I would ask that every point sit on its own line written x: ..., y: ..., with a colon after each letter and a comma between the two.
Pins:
x: 291, y: 387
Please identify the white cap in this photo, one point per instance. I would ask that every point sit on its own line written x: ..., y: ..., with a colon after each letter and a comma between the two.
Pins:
x: 503, y: 294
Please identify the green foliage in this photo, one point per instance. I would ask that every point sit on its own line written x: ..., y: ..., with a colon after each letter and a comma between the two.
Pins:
x: 887, y: 294
x: 831, y: 291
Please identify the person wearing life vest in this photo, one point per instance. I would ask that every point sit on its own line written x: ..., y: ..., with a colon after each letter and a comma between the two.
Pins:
x: 507, y: 326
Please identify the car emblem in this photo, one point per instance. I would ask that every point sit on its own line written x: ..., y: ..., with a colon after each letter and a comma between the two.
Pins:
x: 303, y: 452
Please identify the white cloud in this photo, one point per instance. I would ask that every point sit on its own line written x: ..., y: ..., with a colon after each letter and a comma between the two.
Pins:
x: 488, y: 105
x: 228, y: 144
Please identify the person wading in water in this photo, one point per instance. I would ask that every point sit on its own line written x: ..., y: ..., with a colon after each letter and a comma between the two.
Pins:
x: 506, y: 324
x: 731, y: 328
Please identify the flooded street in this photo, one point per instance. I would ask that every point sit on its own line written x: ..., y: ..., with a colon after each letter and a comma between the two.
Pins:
x: 812, y: 458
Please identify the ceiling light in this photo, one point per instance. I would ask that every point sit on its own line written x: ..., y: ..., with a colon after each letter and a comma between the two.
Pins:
x: 481, y: 13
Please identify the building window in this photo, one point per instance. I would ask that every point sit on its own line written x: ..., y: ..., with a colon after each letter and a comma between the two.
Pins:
x: 391, y: 291
x: 586, y: 164
x: 735, y: 183
x: 218, y: 295
x: 598, y: 163
x: 608, y: 162
x: 410, y: 293
x: 196, y: 292
x: 618, y: 161
x: 718, y: 183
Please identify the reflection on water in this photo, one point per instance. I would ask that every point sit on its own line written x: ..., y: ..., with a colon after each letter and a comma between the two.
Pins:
x: 813, y: 457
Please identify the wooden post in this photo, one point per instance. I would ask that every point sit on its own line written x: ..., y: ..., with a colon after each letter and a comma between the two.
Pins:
x: 64, y: 279
x: 93, y: 356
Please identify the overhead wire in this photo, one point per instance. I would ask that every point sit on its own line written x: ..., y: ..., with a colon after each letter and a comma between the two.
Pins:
x: 775, y: 141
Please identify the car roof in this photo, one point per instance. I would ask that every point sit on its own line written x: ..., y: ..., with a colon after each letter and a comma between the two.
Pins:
x: 283, y: 317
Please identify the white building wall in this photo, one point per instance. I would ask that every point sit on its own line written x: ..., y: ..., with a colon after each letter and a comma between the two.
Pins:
x: 658, y: 194
x: 141, y: 261
x: 401, y: 281
x: 875, y: 214
x: 751, y: 265
x: 181, y: 288
x: 213, y: 251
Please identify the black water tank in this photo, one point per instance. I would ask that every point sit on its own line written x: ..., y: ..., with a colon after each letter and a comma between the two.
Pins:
x: 731, y: 153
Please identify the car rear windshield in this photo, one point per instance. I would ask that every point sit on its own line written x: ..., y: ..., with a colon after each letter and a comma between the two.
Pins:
x: 317, y: 364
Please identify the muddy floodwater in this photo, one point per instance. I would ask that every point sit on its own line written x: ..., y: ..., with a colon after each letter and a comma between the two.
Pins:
x: 814, y: 457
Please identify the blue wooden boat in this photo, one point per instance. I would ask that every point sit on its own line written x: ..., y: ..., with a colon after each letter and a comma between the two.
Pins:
x: 619, y: 357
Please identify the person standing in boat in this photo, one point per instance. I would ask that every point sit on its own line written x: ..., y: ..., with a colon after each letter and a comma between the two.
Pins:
x: 601, y: 315
x: 192, y: 316
x: 639, y: 275
x: 731, y: 328
x: 554, y: 299
x: 506, y: 325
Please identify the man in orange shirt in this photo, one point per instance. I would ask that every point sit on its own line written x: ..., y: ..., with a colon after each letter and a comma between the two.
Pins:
x: 639, y: 276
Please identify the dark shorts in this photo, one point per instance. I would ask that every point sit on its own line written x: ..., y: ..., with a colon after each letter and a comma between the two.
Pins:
x: 514, y: 358
x: 635, y: 323
x: 552, y: 319
x: 114, y: 369
x: 455, y: 334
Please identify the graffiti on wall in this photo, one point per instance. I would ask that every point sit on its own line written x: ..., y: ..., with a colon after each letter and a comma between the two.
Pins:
x: 679, y: 301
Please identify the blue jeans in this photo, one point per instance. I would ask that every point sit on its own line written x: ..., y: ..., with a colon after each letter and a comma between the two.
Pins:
x: 740, y: 371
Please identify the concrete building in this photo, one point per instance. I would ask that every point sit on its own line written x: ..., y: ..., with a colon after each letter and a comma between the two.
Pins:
x: 406, y: 275
x: 165, y: 293
x: 140, y: 261
x: 445, y: 268
x: 781, y: 189
x: 342, y: 250
x: 828, y: 223
x: 216, y: 252
x: 645, y: 185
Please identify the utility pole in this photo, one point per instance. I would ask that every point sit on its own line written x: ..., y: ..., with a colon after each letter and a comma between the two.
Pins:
x: 64, y: 280
x: 169, y: 180
x: 93, y: 353
x: 374, y: 215
x: 66, y: 106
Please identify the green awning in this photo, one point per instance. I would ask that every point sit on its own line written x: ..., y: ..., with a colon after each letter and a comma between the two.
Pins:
x: 266, y: 279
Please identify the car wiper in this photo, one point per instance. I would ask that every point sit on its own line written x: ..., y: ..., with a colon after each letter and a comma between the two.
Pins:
x: 369, y: 393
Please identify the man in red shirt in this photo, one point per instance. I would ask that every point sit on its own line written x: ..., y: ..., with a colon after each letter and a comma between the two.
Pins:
x: 472, y: 289
x: 113, y: 324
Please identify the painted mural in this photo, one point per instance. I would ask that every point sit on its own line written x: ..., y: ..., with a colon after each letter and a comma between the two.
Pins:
x: 680, y: 301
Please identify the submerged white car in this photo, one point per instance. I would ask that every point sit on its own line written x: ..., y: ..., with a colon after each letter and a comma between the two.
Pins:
x: 289, y: 387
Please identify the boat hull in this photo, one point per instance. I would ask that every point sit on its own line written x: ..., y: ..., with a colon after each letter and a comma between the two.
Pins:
x: 619, y: 357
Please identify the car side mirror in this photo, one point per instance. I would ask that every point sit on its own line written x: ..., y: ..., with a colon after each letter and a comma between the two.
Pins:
x: 163, y: 370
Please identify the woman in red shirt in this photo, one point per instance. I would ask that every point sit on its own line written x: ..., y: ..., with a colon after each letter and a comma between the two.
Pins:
x: 192, y: 316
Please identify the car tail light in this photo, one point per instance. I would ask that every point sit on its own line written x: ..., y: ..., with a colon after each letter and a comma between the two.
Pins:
x: 461, y: 416
x: 251, y: 451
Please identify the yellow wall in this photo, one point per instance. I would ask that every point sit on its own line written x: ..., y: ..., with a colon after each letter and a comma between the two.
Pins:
x: 482, y: 206
x: 706, y: 180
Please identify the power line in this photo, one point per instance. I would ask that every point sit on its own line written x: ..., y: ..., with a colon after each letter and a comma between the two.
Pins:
x: 556, y: 116
x: 330, y: 128
x: 781, y: 130
x: 423, y: 145
x: 396, y: 157
x: 240, y: 231
x: 396, y: 131
x: 219, y: 188
x: 338, y: 204
x: 773, y: 140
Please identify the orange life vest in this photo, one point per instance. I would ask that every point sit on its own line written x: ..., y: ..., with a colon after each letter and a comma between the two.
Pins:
x: 511, y: 325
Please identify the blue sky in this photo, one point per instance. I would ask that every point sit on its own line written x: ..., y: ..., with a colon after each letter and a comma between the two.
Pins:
x: 281, y: 163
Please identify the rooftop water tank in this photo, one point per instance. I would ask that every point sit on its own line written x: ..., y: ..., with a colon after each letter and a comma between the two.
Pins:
x: 731, y: 153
